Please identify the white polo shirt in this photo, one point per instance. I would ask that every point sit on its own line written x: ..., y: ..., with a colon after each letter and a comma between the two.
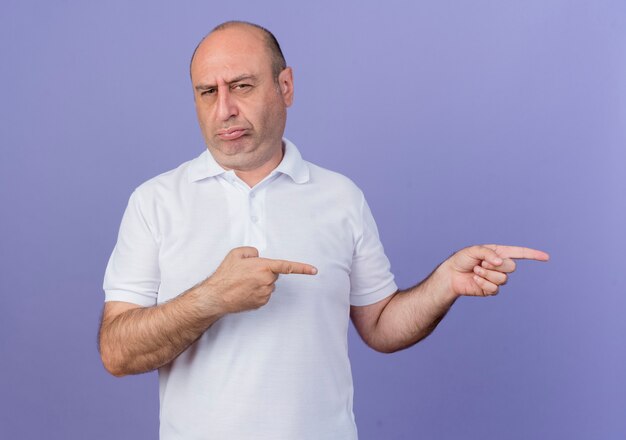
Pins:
x: 279, y: 372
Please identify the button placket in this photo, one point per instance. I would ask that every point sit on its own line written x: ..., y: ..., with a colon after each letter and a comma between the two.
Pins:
x: 255, y: 209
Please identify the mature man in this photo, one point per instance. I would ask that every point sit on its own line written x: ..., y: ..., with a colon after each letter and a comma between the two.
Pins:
x: 193, y: 287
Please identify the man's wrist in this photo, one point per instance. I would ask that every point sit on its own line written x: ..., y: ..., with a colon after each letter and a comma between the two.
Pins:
x: 442, y: 284
x: 208, y: 301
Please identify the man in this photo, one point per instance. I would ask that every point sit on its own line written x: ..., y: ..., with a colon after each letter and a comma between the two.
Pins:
x: 236, y: 273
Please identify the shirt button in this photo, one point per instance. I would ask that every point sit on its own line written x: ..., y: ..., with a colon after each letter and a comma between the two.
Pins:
x: 252, y: 196
x: 254, y: 219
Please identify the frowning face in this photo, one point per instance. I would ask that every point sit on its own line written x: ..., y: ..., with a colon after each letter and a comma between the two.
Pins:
x: 241, y: 107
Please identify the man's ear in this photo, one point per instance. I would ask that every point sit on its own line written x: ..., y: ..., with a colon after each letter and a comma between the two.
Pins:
x: 285, y: 83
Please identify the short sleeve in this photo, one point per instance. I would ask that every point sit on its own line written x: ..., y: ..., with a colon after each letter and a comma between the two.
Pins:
x: 132, y: 274
x: 371, y: 279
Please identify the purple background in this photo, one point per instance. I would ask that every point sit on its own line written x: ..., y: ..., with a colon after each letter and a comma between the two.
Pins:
x: 463, y: 122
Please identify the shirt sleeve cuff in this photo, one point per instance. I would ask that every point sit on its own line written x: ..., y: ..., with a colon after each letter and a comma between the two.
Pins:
x: 366, y: 299
x: 130, y: 297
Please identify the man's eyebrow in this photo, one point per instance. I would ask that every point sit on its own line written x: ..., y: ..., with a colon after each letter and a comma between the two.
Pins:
x: 243, y: 77
x: 239, y: 78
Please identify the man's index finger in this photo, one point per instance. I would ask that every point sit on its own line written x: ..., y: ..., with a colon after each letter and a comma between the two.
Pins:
x: 290, y: 267
x: 519, y: 252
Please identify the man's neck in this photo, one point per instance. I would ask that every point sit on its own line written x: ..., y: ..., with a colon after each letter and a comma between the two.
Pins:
x: 254, y: 176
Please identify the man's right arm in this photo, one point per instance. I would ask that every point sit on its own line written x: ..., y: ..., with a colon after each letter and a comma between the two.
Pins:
x: 135, y: 339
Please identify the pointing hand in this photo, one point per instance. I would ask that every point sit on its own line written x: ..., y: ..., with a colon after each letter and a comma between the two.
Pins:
x: 244, y: 281
x: 481, y: 270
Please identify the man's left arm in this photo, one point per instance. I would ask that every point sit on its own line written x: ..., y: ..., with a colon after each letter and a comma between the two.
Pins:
x: 406, y: 317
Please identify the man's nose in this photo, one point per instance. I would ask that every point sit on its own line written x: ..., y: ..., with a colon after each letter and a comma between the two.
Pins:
x: 226, y: 105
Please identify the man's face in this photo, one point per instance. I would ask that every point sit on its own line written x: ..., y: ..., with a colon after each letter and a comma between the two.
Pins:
x: 242, y: 109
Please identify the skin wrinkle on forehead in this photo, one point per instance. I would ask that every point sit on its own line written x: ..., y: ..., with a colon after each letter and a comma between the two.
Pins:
x: 219, y: 53
x: 239, y: 78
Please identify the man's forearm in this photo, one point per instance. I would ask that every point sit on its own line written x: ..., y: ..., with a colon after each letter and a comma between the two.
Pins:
x: 141, y: 339
x: 412, y: 314
x: 145, y: 338
x: 408, y: 316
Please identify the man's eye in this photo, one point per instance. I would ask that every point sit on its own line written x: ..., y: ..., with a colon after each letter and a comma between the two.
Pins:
x: 242, y: 86
x: 207, y: 92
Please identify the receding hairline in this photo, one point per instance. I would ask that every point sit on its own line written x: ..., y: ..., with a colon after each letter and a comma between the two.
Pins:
x: 271, y: 43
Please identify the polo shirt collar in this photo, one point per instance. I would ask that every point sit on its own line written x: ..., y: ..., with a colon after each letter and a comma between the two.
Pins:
x: 292, y: 164
x: 205, y: 166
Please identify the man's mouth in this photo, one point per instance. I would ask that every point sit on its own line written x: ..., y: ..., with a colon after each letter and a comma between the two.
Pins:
x: 232, y: 133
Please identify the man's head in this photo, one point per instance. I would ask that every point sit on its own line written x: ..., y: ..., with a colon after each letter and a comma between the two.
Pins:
x: 276, y: 53
x: 242, y: 90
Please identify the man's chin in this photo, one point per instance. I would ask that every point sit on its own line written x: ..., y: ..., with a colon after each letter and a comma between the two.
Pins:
x: 232, y: 148
x: 236, y: 157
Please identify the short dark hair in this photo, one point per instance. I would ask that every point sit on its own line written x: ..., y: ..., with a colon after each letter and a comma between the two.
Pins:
x: 278, y: 59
